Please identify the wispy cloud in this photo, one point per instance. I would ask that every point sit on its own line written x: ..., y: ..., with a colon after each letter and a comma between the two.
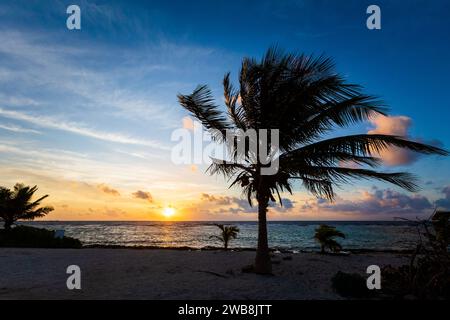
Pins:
x: 17, y: 100
x: 62, y: 164
x: 18, y: 129
x: 53, y: 123
x: 94, y: 78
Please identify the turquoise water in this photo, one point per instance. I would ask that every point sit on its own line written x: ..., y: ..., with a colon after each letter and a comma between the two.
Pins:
x: 283, y: 235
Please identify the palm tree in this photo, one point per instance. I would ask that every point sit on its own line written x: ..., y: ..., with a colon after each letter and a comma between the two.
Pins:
x: 325, y: 234
x: 305, y: 99
x: 17, y: 204
x: 227, y: 233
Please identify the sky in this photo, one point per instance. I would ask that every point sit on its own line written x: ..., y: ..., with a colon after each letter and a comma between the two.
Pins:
x: 87, y: 115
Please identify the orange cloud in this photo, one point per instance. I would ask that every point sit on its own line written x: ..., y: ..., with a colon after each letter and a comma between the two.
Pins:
x: 188, y: 123
x: 236, y: 205
x: 106, y: 189
x: 143, y: 195
x: 398, y: 126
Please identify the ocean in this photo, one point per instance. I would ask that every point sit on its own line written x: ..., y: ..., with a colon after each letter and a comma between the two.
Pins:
x: 286, y: 235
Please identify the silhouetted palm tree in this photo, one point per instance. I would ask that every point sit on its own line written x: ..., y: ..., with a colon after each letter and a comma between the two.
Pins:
x: 304, y: 98
x: 227, y: 233
x: 325, y: 236
x: 17, y: 204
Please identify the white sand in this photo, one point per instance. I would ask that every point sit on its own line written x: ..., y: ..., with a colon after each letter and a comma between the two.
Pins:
x: 173, y: 274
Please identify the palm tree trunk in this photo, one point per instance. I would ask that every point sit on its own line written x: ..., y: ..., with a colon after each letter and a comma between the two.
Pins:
x: 262, y: 261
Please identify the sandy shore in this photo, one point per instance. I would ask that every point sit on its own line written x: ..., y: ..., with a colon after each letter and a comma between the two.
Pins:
x: 174, y: 274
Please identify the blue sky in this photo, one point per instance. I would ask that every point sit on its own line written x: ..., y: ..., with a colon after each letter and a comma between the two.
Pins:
x: 84, y: 112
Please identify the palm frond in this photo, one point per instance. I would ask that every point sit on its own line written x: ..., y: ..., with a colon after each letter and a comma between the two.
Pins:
x: 226, y: 168
x: 339, y: 175
x: 235, y: 111
x: 326, y: 159
x: 39, y: 213
x: 366, y: 145
x: 320, y: 188
x: 352, y: 109
x: 201, y: 105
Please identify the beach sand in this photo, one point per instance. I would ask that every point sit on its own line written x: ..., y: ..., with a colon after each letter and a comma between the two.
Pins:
x: 174, y: 274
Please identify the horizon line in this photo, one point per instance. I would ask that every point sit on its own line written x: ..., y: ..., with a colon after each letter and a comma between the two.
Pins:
x: 325, y: 220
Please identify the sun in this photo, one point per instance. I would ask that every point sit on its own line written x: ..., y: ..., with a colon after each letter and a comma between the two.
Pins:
x: 168, y: 212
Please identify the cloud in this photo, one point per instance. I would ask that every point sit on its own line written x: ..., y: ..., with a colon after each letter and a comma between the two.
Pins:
x: 17, y: 129
x: 240, y: 205
x: 288, y: 204
x: 445, y: 201
x: 446, y: 191
x: 398, y: 126
x: 188, y: 123
x: 379, y: 202
x: 24, y: 158
x: 219, y: 200
x: 17, y: 101
x: 143, y: 195
x: 108, y: 190
x: 59, y: 124
x: 90, y: 78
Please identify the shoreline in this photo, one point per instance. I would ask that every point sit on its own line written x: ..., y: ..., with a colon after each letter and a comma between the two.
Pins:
x: 238, y: 249
x: 273, y: 250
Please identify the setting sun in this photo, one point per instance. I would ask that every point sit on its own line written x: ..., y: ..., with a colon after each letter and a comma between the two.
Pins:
x: 168, y: 212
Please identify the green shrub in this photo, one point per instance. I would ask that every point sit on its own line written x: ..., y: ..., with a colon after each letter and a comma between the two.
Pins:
x: 29, y: 237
